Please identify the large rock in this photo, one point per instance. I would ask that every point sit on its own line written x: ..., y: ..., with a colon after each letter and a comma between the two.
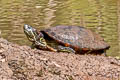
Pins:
x: 23, y: 63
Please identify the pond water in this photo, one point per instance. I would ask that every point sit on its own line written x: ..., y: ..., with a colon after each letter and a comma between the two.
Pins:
x: 101, y: 16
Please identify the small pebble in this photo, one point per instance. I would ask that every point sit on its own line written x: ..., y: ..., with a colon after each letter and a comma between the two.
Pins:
x: 1, y: 50
x: 56, y: 64
x: 2, y: 60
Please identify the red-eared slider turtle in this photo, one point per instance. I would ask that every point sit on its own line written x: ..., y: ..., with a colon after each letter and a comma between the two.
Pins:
x: 74, y: 39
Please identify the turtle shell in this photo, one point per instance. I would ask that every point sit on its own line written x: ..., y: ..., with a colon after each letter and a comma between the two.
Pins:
x: 76, y: 37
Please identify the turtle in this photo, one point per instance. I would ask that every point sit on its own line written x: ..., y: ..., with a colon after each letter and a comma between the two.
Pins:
x: 63, y: 38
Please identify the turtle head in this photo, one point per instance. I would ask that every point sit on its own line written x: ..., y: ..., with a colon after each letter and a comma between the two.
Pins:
x: 34, y: 36
x: 30, y: 32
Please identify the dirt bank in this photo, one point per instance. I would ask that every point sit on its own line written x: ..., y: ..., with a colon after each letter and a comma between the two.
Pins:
x: 23, y: 63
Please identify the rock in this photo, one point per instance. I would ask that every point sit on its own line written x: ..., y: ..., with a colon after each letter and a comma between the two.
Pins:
x: 1, y: 50
x: 23, y: 63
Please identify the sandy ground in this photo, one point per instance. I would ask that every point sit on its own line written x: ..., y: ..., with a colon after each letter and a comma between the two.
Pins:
x: 23, y: 63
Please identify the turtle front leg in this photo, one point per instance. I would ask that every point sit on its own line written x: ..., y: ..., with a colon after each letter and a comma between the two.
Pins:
x: 33, y: 46
x: 65, y: 49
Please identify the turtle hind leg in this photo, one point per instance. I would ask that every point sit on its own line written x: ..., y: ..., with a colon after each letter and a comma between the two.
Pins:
x: 65, y: 49
x: 104, y: 53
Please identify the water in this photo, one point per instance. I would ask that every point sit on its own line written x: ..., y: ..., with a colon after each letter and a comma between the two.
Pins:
x: 101, y: 16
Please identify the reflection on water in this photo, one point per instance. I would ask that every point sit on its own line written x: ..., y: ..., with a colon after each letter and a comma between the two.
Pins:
x: 98, y: 15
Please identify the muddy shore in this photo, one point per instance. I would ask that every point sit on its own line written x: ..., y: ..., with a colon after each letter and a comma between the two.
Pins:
x: 23, y: 63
